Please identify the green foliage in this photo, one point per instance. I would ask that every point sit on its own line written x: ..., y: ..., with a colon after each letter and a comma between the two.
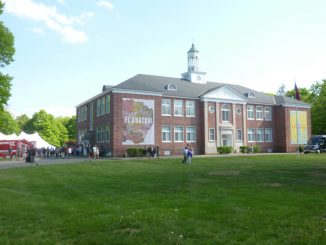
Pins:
x: 71, y: 126
x: 50, y: 129
x: 318, y: 112
x: 7, y: 52
x: 250, y: 149
x: 7, y: 123
x: 305, y: 94
x: 224, y: 149
x: 135, y: 152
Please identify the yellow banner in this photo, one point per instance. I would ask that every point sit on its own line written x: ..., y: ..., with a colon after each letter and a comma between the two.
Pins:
x: 298, y: 126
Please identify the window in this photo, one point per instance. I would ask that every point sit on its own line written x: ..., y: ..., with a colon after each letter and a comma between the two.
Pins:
x: 98, y: 107
x: 108, y: 104
x: 251, y: 135
x: 225, y: 113
x: 166, y: 134
x: 268, y: 113
x: 172, y: 87
x: 166, y: 107
x: 98, y: 134
x: 259, y: 113
x: 78, y: 115
x: 211, y: 135
x: 191, y: 134
x: 107, y: 132
x: 239, y: 134
x: 178, y: 134
x: 250, y: 112
x: 91, y: 118
x: 190, y: 108
x: 102, y: 106
x: 178, y: 107
x: 268, y: 134
x: 260, y: 135
x: 103, y: 135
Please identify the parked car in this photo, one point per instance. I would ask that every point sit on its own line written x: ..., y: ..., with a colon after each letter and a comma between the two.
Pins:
x: 316, y: 144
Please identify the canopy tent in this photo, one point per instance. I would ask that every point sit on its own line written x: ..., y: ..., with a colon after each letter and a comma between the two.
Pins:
x: 8, y: 137
x: 36, y: 139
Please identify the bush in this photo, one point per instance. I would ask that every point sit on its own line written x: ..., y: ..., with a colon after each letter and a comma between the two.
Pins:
x: 224, y: 149
x: 135, y: 152
x: 250, y: 149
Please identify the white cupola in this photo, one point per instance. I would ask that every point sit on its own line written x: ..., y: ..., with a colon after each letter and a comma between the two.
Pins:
x: 193, y: 74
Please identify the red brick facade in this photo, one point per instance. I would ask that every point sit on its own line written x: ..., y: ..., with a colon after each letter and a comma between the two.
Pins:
x: 229, y: 126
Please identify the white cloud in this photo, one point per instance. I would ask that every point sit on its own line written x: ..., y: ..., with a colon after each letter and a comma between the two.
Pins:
x: 105, y: 4
x: 61, y: 2
x: 38, y: 30
x: 49, y: 15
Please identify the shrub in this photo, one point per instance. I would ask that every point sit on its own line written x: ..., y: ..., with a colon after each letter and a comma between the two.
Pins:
x: 256, y: 148
x: 250, y: 149
x: 244, y: 149
x: 135, y: 152
x: 224, y: 149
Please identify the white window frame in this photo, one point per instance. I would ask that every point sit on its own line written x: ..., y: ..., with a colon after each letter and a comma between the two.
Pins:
x: 260, y: 135
x: 166, y: 133
x: 107, y: 133
x: 268, y: 113
x: 190, y: 108
x: 268, y: 136
x: 191, y: 136
x: 259, y: 113
x: 178, y: 134
x: 178, y: 108
x: 102, y: 106
x: 98, y: 135
x: 166, y: 107
x: 251, y: 132
x: 239, y: 134
x: 211, y: 134
x: 225, y: 111
x: 250, y: 112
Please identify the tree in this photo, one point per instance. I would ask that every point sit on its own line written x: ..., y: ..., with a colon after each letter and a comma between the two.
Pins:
x: 21, y: 121
x: 7, y: 52
x: 281, y: 90
x: 50, y: 130
x: 304, y: 94
x: 7, y: 123
x: 318, y: 112
x: 71, y: 126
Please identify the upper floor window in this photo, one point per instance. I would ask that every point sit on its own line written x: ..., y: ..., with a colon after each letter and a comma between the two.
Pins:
x: 108, y: 104
x: 268, y: 113
x: 190, y: 108
x: 102, y: 105
x: 250, y: 112
x: 225, y: 113
x: 259, y: 113
x: 98, y: 107
x: 166, y: 107
x: 178, y: 107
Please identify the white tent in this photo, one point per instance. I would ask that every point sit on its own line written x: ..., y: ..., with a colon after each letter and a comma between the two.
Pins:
x: 36, y: 139
x: 8, y: 137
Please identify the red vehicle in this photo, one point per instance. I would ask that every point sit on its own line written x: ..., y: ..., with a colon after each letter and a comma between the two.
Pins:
x: 8, y: 148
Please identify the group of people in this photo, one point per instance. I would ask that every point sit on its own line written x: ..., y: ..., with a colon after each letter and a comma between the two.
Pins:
x: 187, y: 154
x: 152, y: 151
x: 92, y: 152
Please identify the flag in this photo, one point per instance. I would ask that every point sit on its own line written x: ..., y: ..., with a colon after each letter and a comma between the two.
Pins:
x: 296, y: 90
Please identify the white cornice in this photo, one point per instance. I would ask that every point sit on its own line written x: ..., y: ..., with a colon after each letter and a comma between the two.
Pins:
x: 130, y: 91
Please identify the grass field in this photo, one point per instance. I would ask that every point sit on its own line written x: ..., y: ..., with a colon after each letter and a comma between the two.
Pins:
x: 275, y: 199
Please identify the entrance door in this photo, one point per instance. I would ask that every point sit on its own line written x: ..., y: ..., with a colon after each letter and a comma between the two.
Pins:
x: 226, y: 139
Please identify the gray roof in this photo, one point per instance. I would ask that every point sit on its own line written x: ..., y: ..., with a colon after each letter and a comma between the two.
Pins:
x: 186, y: 89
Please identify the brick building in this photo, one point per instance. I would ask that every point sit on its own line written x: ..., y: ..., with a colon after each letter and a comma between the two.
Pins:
x: 172, y: 112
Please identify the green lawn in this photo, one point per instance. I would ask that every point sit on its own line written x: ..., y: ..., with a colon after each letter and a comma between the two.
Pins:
x: 278, y: 199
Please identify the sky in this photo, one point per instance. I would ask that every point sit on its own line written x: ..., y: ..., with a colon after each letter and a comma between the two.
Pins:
x: 66, y: 50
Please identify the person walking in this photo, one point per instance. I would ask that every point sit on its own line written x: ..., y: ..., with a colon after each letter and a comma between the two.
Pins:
x: 189, y: 154
x: 185, y: 154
